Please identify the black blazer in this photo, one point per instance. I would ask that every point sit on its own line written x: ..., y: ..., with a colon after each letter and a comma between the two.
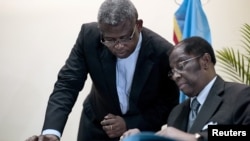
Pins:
x: 152, y: 97
x: 227, y: 103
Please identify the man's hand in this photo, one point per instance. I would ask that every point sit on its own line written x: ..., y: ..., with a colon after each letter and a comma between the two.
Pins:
x: 113, y: 125
x: 43, y: 138
x: 176, y: 134
x: 129, y: 133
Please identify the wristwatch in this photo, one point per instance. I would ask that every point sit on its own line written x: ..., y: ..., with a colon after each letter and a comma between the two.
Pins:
x: 198, y: 137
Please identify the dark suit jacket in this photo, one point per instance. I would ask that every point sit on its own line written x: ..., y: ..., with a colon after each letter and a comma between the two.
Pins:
x: 152, y: 97
x: 227, y: 103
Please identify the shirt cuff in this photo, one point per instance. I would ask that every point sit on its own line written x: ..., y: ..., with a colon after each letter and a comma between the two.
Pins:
x: 51, y: 131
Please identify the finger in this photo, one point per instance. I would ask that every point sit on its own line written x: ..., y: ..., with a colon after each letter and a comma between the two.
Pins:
x: 164, y: 126
x: 160, y: 133
x: 41, y: 138
x: 109, y: 116
x: 106, y: 122
x: 110, y: 127
x: 121, y: 138
x: 103, y: 122
x: 105, y: 128
x: 32, y: 138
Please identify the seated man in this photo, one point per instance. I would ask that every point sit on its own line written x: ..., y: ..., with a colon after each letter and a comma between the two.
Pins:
x: 218, y: 102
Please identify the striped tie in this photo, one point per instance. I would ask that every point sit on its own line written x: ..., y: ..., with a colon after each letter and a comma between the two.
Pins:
x: 193, y: 112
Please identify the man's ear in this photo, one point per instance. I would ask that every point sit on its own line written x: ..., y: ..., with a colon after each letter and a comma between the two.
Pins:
x: 139, y: 23
x: 206, y: 61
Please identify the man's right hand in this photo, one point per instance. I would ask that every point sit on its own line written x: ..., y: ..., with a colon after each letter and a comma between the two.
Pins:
x: 43, y: 138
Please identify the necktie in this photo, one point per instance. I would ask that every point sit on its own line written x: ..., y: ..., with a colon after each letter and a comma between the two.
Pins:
x: 193, y: 112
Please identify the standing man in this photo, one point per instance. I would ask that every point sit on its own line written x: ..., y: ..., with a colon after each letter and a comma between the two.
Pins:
x: 127, y: 64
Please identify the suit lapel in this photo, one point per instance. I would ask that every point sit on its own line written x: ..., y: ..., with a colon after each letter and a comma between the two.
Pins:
x: 209, y: 107
x: 182, y: 118
x: 108, y: 61
x: 143, y: 67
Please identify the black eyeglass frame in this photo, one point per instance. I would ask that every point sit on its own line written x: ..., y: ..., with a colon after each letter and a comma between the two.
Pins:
x: 111, y: 43
x: 180, y: 66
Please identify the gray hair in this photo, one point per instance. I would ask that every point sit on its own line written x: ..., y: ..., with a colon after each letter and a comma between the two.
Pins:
x: 115, y: 11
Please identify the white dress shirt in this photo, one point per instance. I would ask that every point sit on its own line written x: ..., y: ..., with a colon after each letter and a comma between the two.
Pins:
x: 203, y: 94
x: 124, y: 76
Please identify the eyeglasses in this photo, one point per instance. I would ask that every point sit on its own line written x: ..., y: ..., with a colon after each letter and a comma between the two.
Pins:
x: 180, y: 67
x: 113, y: 42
